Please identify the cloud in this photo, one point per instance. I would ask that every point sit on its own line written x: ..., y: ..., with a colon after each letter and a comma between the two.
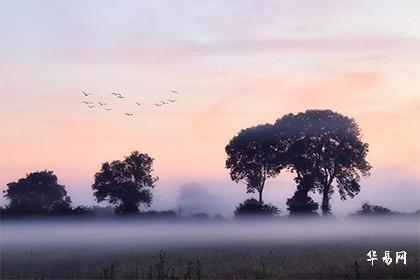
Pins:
x: 326, y: 45
x: 165, y: 31
x: 266, y: 99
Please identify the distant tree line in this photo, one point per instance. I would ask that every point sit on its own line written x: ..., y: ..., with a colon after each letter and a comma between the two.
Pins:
x: 368, y: 209
x: 322, y: 148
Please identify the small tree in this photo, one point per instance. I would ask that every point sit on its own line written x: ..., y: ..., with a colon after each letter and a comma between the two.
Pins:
x: 126, y: 183
x: 251, y: 156
x: 37, y: 193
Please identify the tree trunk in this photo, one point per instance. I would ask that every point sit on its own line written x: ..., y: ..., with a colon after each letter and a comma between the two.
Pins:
x: 128, y: 207
x: 326, y: 210
x: 260, y: 196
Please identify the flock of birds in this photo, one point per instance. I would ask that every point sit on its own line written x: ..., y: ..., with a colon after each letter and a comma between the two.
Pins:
x: 92, y: 104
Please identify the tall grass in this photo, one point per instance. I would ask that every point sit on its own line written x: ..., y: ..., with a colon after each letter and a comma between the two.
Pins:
x: 326, y: 260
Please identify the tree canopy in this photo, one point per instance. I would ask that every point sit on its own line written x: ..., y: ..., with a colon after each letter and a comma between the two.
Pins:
x: 37, y: 193
x: 324, y: 149
x: 127, y: 183
x: 251, y: 156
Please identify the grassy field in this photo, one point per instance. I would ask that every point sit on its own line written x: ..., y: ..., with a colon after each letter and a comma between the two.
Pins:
x: 272, y: 249
x: 241, y: 260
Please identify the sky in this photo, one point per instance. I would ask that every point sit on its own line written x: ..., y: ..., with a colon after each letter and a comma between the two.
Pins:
x: 235, y: 64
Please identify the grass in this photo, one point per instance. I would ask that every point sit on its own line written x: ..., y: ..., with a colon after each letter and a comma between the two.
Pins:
x: 344, y: 259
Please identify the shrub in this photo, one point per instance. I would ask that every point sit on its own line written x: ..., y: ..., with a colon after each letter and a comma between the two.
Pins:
x: 252, y: 207
x: 301, y: 204
x: 368, y: 209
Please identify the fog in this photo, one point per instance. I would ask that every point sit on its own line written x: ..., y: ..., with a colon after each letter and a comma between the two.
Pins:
x: 153, y: 234
x: 194, y: 198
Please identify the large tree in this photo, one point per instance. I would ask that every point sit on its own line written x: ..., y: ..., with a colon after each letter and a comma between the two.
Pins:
x: 37, y: 193
x: 127, y: 183
x: 251, y: 156
x: 325, y: 149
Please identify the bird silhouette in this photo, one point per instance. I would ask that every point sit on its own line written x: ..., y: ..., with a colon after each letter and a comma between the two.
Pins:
x: 172, y: 100
x: 118, y: 95
x: 87, y: 102
x: 128, y: 114
x: 158, y: 105
x: 91, y: 106
x: 108, y: 109
x: 174, y: 91
x: 101, y: 104
x: 138, y: 103
x: 163, y: 102
x: 86, y: 94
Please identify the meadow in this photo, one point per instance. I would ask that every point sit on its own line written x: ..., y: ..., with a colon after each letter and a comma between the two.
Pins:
x: 280, y: 249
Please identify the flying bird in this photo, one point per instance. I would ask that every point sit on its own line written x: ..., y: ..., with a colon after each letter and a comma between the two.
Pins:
x: 128, y: 114
x: 86, y: 94
x: 138, y: 103
x: 101, y: 104
x: 158, y: 105
x: 91, y: 106
x: 163, y: 102
x: 118, y: 95
x: 108, y: 109
x: 87, y: 102
x: 174, y: 91
x: 172, y: 100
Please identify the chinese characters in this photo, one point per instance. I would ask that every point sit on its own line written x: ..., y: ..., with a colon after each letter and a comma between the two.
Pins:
x: 400, y: 257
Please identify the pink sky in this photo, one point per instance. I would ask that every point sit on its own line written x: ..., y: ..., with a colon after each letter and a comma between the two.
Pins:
x: 236, y: 64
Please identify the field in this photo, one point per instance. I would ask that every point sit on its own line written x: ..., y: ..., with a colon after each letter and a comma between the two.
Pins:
x: 174, y: 254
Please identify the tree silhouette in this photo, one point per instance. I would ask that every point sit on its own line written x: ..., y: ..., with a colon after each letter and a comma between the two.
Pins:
x: 252, y: 207
x: 301, y: 203
x: 38, y: 193
x: 251, y: 156
x: 324, y: 149
x: 126, y: 183
x: 369, y: 209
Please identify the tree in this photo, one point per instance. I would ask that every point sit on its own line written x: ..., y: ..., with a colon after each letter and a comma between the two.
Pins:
x: 251, y: 156
x: 324, y: 149
x: 126, y: 183
x: 38, y: 193
x: 252, y: 207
